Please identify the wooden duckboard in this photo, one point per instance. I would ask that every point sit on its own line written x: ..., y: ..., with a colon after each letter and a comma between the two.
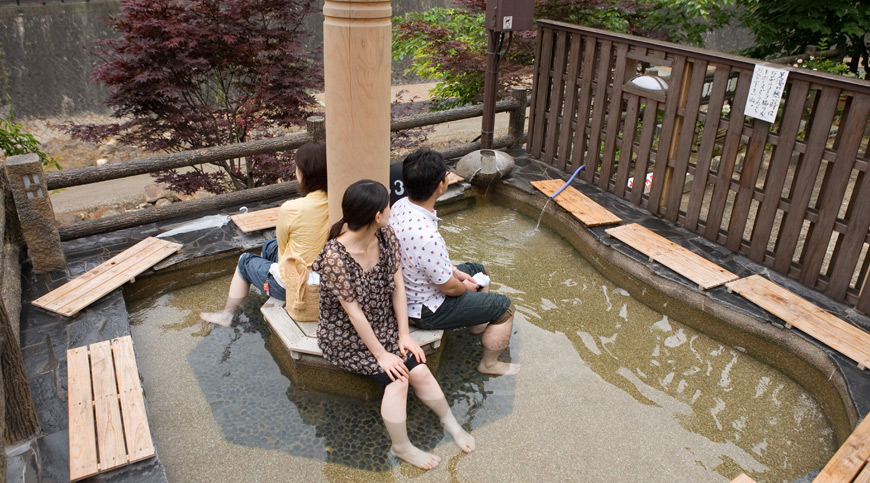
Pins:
x: 578, y: 204
x: 268, y: 218
x: 108, y: 426
x: 301, y: 337
x: 681, y: 260
x: 796, y: 311
x: 849, y: 460
x: 256, y: 220
x: 86, y: 289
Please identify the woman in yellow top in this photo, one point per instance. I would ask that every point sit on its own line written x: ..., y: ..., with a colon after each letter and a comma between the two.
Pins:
x: 303, y: 226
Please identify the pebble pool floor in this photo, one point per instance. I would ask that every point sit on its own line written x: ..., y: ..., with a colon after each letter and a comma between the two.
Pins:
x: 609, y: 390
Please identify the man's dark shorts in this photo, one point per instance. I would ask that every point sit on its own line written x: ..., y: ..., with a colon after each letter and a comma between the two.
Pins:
x: 468, y: 309
x: 255, y: 270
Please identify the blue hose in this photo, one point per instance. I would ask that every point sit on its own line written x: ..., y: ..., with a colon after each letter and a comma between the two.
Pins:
x: 568, y: 182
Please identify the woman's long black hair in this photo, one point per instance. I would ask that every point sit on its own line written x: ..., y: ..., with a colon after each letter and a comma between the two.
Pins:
x: 359, y: 205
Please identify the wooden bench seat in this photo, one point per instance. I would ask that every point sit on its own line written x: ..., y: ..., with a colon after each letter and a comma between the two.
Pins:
x: 578, y: 204
x: 301, y: 337
x: 849, y: 463
x: 681, y: 260
x: 73, y: 296
x: 794, y: 310
x: 108, y: 426
x: 268, y: 218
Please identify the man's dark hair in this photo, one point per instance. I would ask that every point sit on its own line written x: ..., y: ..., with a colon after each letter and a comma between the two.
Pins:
x: 311, y: 161
x: 422, y: 171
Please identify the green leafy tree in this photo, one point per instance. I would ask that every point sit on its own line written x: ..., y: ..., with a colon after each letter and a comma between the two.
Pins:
x: 448, y: 44
x: 788, y: 27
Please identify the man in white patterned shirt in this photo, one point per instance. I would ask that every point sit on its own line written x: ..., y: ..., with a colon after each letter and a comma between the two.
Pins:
x: 441, y: 296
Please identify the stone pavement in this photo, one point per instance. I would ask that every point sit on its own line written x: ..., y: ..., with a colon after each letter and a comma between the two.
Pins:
x: 45, y: 336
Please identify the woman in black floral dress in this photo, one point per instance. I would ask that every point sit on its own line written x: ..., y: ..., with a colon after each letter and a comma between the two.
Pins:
x: 364, y: 318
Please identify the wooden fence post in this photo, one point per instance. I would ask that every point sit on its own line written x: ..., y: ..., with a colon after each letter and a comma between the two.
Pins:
x: 316, y: 127
x: 517, y: 121
x: 675, y: 134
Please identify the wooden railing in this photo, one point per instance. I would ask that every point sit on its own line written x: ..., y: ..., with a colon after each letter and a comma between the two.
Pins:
x: 516, y: 105
x: 791, y: 194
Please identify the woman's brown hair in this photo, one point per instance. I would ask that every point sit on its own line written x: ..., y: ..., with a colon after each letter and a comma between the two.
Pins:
x: 311, y: 161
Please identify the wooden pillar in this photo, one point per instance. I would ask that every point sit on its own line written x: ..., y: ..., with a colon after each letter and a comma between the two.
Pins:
x: 356, y: 67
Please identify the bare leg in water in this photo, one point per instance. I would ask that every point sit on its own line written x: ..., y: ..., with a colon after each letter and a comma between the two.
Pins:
x: 238, y: 291
x: 394, y: 411
x: 430, y: 393
x: 495, y: 340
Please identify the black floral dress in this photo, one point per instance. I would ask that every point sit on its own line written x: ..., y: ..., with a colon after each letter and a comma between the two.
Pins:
x: 341, y: 277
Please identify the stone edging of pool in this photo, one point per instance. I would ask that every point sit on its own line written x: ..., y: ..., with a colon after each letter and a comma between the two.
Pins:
x: 841, y: 388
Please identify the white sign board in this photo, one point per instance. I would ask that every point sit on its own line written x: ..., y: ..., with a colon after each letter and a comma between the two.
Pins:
x: 765, y: 92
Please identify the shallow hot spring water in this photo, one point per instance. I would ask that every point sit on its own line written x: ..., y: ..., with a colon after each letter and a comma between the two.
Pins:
x: 609, y: 389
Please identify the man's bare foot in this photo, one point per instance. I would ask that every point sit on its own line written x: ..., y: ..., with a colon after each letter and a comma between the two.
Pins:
x: 498, y: 368
x: 416, y: 456
x: 464, y: 440
x: 223, y: 318
x: 477, y: 329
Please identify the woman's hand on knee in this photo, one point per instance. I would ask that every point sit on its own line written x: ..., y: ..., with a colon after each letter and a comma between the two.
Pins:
x: 408, y: 344
x: 393, y: 366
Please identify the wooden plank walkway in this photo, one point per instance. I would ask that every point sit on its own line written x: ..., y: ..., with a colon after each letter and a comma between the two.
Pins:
x: 838, y: 334
x: 268, y: 218
x: 108, y: 426
x: 681, y: 260
x: 85, y: 289
x: 301, y: 337
x: 578, y: 204
x: 850, y: 461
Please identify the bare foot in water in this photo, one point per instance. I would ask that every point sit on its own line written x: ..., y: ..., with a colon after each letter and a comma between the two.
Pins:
x: 416, y: 456
x: 223, y: 318
x: 464, y: 440
x: 498, y: 368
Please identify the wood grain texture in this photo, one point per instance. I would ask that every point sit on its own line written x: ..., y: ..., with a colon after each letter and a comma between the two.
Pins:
x: 82, y: 436
x: 82, y: 291
x: 110, y: 431
x: 659, y: 249
x: 839, y: 335
x: 137, y: 433
x: 850, y: 458
x: 578, y: 204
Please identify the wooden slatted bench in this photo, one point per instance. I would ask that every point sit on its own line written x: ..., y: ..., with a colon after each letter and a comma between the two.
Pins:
x: 301, y: 337
x: 838, y: 334
x: 108, y: 426
x: 578, y: 204
x: 681, y: 260
x: 268, y: 218
x: 73, y: 296
x: 849, y: 463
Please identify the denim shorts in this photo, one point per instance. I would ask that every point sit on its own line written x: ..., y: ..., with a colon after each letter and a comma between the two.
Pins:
x: 466, y: 310
x: 255, y: 270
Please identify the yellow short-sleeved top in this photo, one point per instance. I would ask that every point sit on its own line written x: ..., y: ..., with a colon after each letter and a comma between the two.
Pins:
x: 303, y: 226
